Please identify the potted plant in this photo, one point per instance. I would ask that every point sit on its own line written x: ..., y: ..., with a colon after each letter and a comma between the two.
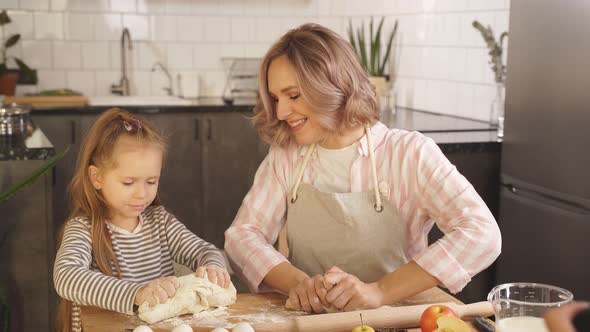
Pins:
x: 9, y: 77
x: 370, y: 54
x: 495, y: 51
x: 5, y: 196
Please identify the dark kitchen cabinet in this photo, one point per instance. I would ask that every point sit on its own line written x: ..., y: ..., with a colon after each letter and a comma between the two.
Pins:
x: 26, y: 250
x: 181, y: 188
x: 63, y: 131
x: 232, y: 153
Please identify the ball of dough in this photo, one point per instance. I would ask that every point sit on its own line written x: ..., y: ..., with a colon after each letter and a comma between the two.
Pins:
x: 182, y: 328
x: 243, y: 327
x: 142, y: 328
x: 219, y: 329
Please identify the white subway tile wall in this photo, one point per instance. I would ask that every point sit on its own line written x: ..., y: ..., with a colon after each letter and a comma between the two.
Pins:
x: 440, y: 60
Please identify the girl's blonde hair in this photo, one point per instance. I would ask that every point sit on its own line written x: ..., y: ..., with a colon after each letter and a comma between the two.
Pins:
x: 330, y: 79
x: 86, y: 201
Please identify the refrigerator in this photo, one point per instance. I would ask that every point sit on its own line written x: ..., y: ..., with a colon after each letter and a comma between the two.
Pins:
x: 545, y: 170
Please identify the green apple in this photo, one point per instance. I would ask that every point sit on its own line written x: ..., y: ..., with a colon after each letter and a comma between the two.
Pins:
x: 363, y: 328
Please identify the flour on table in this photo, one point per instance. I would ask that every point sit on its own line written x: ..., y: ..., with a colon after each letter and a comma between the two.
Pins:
x: 193, y: 296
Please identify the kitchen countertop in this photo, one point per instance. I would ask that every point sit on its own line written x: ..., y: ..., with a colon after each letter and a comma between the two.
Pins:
x: 36, y: 146
x: 452, y: 134
x: 265, y: 311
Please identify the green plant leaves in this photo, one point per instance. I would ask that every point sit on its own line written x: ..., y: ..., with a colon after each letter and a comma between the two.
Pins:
x: 4, y: 18
x: 26, y: 74
x: 362, y: 47
x: 33, y: 177
x: 495, y: 49
x: 372, y: 62
x: 388, y: 50
x: 12, y: 40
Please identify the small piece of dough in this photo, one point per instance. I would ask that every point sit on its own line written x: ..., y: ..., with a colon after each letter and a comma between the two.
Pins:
x: 219, y: 329
x: 243, y: 327
x: 182, y: 328
x: 194, y: 295
x: 142, y: 328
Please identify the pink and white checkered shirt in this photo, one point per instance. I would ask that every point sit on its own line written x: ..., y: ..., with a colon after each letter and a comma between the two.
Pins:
x: 423, y: 185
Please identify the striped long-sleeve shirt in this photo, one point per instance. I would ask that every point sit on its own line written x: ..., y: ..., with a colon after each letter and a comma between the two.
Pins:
x: 423, y: 186
x: 142, y: 257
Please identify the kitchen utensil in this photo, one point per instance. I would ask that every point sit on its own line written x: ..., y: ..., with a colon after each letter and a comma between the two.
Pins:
x: 14, y: 119
x: 519, y: 307
x: 242, y: 79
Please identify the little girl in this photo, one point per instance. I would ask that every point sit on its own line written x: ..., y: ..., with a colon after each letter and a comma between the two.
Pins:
x: 118, y: 245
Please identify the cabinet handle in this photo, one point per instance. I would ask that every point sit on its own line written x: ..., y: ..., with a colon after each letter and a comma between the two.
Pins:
x: 197, y: 129
x: 73, y: 131
x: 209, y: 130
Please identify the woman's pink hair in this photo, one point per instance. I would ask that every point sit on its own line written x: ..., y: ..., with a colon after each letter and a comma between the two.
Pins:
x: 330, y: 80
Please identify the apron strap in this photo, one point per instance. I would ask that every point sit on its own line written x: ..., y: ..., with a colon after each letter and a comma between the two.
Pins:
x: 378, y: 203
x: 300, y: 172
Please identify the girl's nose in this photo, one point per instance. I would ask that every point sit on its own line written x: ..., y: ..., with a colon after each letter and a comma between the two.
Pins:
x: 140, y: 190
x: 284, y: 109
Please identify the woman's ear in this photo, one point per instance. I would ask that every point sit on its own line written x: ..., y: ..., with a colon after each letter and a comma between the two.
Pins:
x: 94, y: 177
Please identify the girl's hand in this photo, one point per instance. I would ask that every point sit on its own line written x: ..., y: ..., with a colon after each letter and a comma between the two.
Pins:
x: 349, y: 293
x: 308, y: 295
x: 157, y: 291
x: 215, y: 274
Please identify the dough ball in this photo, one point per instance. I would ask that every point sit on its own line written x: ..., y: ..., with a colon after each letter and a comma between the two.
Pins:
x: 142, y: 328
x: 219, y: 329
x: 243, y: 327
x: 182, y: 328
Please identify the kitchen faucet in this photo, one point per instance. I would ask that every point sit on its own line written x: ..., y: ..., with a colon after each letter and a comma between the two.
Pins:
x: 123, y: 87
x: 165, y: 70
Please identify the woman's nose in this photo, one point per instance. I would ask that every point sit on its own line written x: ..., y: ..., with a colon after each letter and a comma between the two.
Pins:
x: 283, y: 109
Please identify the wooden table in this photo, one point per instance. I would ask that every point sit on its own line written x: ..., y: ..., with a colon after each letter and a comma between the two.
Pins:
x: 264, y: 311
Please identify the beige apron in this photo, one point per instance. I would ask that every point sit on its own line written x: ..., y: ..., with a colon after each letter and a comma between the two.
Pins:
x: 358, y: 232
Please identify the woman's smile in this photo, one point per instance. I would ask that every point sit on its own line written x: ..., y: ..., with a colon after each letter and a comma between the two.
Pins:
x: 297, y: 125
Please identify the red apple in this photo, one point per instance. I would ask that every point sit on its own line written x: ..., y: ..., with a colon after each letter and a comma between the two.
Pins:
x: 431, y: 314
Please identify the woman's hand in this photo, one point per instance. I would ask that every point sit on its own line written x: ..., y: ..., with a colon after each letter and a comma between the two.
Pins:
x: 308, y: 295
x: 157, y: 291
x: 215, y: 274
x: 348, y: 293
x: 561, y: 319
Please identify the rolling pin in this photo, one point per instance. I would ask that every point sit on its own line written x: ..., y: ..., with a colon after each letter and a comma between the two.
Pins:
x: 384, y: 317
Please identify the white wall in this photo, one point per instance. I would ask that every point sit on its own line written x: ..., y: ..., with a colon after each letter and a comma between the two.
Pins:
x: 441, y: 61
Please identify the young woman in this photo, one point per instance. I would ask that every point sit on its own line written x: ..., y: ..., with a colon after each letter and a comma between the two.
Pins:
x: 357, y: 198
x: 119, y: 244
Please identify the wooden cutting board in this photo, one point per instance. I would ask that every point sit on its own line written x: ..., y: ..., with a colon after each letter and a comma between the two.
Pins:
x: 49, y: 101
x: 266, y: 313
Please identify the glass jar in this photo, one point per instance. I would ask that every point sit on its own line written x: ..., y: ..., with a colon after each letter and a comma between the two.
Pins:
x: 497, y: 109
x: 519, y: 307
